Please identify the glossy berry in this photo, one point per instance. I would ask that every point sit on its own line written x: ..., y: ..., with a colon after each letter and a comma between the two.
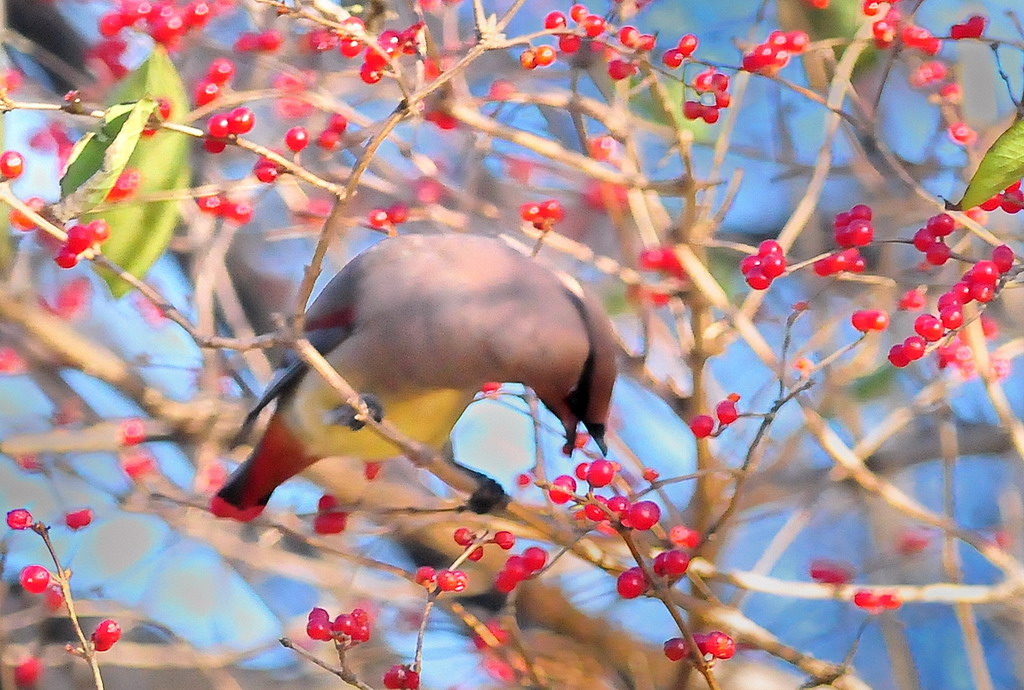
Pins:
x: 726, y: 412
x: 631, y: 584
x: 600, y: 473
x: 671, y: 563
x: 19, y: 518
x: 219, y: 126
x: 870, y: 320
x: 719, y: 645
x: 221, y: 70
x: 11, y: 165
x: 929, y: 327
x: 105, y: 635
x: 296, y: 139
x: 241, y: 120
x: 643, y: 515
x: 562, y: 489
x: 400, y: 677
x: 555, y: 20
x: 504, y: 539
x: 676, y: 649
x: 34, y: 579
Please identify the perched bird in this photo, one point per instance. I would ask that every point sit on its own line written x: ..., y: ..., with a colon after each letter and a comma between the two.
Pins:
x: 417, y: 324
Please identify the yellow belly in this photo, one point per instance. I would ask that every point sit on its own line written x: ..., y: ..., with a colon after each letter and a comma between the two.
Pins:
x: 427, y: 417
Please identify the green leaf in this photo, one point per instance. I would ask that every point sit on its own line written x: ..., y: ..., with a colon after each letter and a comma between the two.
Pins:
x: 1002, y: 165
x: 875, y: 384
x: 100, y: 157
x: 140, y: 232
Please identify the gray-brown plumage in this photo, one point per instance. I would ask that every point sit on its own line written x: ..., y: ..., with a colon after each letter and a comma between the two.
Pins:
x: 420, y: 323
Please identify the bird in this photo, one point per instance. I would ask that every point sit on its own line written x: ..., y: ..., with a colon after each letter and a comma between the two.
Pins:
x: 417, y: 324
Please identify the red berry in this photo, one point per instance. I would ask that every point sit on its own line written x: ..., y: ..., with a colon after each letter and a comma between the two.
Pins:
x: 451, y: 580
x: 578, y: 12
x: 534, y: 558
x: 221, y: 70
x: 27, y: 672
x: 296, y: 139
x: 952, y: 317
x: 671, y: 563
x: 643, y: 515
x: 687, y: 45
x: 719, y: 645
x: 601, y: 473
x: 11, y: 165
x: 333, y: 522
x: 544, y: 56
x: 897, y: 357
x: 621, y: 69
x: 914, y: 347
x: 631, y: 584
x: 400, y: 677
x: 34, y: 579
x: 77, y: 519
x: 702, y: 425
x: 673, y: 59
x: 106, y: 634
x: 681, y: 535
x: 562, y: 489
x: 1002, y: 258
x: 133, y: 432
x: 830, y: 572
x: 676, y: 649
x: 504, y: 539
x: 929, y: 327
x: 593, y: 25
x: 870, y: 320
x: 425, y: 575
x: 463, y: 536
x: 337, y: 123
x: 555, y: 20
x: 219, y: 126
x: 726, y: 412
x: 319, y: 629
x: 241, y: 120
x: 19, y: 518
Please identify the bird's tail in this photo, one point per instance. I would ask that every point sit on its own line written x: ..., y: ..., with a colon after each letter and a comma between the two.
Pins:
x: 278, y: 457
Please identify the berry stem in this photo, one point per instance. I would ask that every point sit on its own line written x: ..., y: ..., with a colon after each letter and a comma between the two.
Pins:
x: 63, y: 578
x: 344, y: 673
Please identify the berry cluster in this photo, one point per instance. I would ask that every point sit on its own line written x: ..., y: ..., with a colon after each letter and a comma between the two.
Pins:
x: 218, y: 75
x: 401, y: 677
x: 221, y: 126
x: 892, y: 27
x: 876, y: 602
x: 463, y: 536
x: 388, y: 218
x: 542, y: 215
x: 713, y: 645
x: 377, y: 56
x: 674, y: 58
x: 330, y: 138
x: 958, y: 354
x: 519, y: 568
x: 81, y: 238
x: 759, y: 270
x: 930, y: 239
x: 259, y: 41
x: 772, y: 55
x: 703, y: 425
x: 163, y: 21
x: 237, y: 212
x: 329, y: 518
x: 980, y: 283
x: 1010, y: 200
x: 105, y: 635
x: 712, y: 82
x: 348, y: 629
x: 972, y: 27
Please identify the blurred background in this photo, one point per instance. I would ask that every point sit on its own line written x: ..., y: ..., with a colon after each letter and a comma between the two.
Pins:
x: 203, y: 602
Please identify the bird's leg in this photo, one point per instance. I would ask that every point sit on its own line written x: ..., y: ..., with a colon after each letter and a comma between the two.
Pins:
x: 488, y: 495
x: 348, y: 416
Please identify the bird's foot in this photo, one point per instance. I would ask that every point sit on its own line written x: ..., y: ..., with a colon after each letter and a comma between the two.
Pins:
x: 348, y: 416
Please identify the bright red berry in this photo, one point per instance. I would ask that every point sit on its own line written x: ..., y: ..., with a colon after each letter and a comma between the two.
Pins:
x: 11, y: 165
x: 27, y: 672
x: 19, y: 518
x: 702, y: 425
x: 106, y: 634
x: 643, y: 515
x: 600, y: 473
x: 241, y: 120
x: 34, y: 579
x: 631, y: 584
x: 451, y: 580
x: 77, y: 519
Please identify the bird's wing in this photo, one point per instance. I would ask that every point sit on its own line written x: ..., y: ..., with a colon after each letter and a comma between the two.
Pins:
x: 329, y: 321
